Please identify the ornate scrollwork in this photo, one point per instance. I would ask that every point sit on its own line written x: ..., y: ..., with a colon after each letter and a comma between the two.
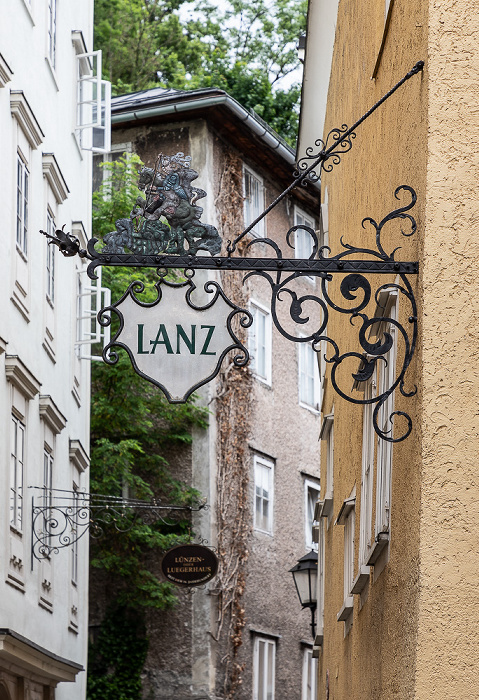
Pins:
x: 327, y: 153
x: 62, y: 518
x: 356, y: 288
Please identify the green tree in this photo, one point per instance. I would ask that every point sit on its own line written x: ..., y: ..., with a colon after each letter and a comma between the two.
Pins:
x: 246, y: 48
x: 133, y: 428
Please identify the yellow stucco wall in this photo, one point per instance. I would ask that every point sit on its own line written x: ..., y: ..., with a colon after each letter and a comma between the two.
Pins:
x: 447, y: 643
x: 377, y: 657
x: 413, y: 632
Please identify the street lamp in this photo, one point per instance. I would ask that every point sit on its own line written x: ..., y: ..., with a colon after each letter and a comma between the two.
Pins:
x: 305, y: 574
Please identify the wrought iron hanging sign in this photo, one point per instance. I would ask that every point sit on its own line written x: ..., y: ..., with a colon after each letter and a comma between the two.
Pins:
x: 189, y: 565
x: 179, y: 340
x: 173, y: 342
x: 61, y: 518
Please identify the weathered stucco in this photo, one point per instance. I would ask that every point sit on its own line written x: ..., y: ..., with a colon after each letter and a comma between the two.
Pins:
x: 413, y: 630
x: 448, y: 646
x: 375, y: 658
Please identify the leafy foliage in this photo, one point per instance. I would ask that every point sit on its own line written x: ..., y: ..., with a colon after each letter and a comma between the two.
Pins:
x: 245, y: 47
x: 117, y: 657
x: 132, y: 428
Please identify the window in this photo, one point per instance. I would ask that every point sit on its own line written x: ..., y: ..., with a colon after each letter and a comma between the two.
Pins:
x: 309, y: 384
x: 52, y: 31
x: 74, y: 534
x: 320, y: 605
x: 386, y: 378
x: 93, y: 125
x: 260, y: 342
x: 346, y: 517
x: 327, y: 434
x: 310, y: 667
x: 50, y: 258
x: 90, y: 299
x: 100, y: 173
x: 253, y: 193
x: 311, y: 489
x: 263, y: 669
x: 22, y: 204
x: 16, y: 473
x: 47, y: 492
x: 303, y: 245
x: 366, y: 513
x: 263, y: 494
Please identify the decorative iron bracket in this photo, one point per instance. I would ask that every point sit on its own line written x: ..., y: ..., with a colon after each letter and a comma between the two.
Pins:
x: 62, y: 518
x: 170, y: 196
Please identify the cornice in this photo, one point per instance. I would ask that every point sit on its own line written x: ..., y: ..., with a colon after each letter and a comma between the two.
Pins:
x: 78, y: 455
x: 51, y: 415
x: 6, y: 72
x: 21, y: 377
x: 54, y: 177
x: 22, y: 112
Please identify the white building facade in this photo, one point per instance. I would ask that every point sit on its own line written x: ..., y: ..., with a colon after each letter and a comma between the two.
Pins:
x: 49, y: 122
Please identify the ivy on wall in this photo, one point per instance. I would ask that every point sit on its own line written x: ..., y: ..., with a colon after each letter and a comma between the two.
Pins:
x: 233, y: 407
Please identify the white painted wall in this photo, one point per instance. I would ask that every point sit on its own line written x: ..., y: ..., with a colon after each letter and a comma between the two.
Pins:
x: 51, y: 96
x: 322, y: 18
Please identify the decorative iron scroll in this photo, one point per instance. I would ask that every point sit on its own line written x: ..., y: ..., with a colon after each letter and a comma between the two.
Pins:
x: 164, y: 231
x: 63, y: 517
x: 352, y: 284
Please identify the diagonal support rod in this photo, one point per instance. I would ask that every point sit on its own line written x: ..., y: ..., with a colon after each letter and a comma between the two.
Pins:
x: 324, y: 155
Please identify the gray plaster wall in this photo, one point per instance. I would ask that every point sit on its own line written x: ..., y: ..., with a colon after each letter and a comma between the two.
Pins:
x: 184, y: 661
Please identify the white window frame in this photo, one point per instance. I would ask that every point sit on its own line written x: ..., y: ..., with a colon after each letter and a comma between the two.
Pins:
x: 327, y: 434
x: 261, y: 467
x: 47, y: 492
x: 93, y: 104
x: 74, y: 546
x: 50, y: 258
x: 367, y: 480
x: 305, y: 354
x: 310, y: 670
x: 386, y: 378
x: 303, y: 243
x: 116, y: 151
x: 309, y: 508
x: 91, y: 297
x: 23, y: 184
x: 251, y: 210
x: 320, y: 583
x: 51, y: 31
x: 346, y: 517
x: 262, y: 689
x: 17, y: 473
x: 254, y: 339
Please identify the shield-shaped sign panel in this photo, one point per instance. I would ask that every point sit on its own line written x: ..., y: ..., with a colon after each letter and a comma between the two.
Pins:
x: 173, y: 342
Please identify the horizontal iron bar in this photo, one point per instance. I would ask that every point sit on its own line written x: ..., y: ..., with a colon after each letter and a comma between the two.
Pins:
x: 331, y: 265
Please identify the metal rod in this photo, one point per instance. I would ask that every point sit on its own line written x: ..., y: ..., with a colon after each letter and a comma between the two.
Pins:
x: 319, y: 267
x: 325, y: 154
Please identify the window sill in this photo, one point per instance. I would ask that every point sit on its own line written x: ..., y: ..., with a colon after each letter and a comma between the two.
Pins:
x: 346, y: 609
x: 380, y: 543
x: 22, y: 254
x: 361, y: 580
x: 327, y: 509
x: 263, y: 380
x: 312, y: 409
x: 52, y: 72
